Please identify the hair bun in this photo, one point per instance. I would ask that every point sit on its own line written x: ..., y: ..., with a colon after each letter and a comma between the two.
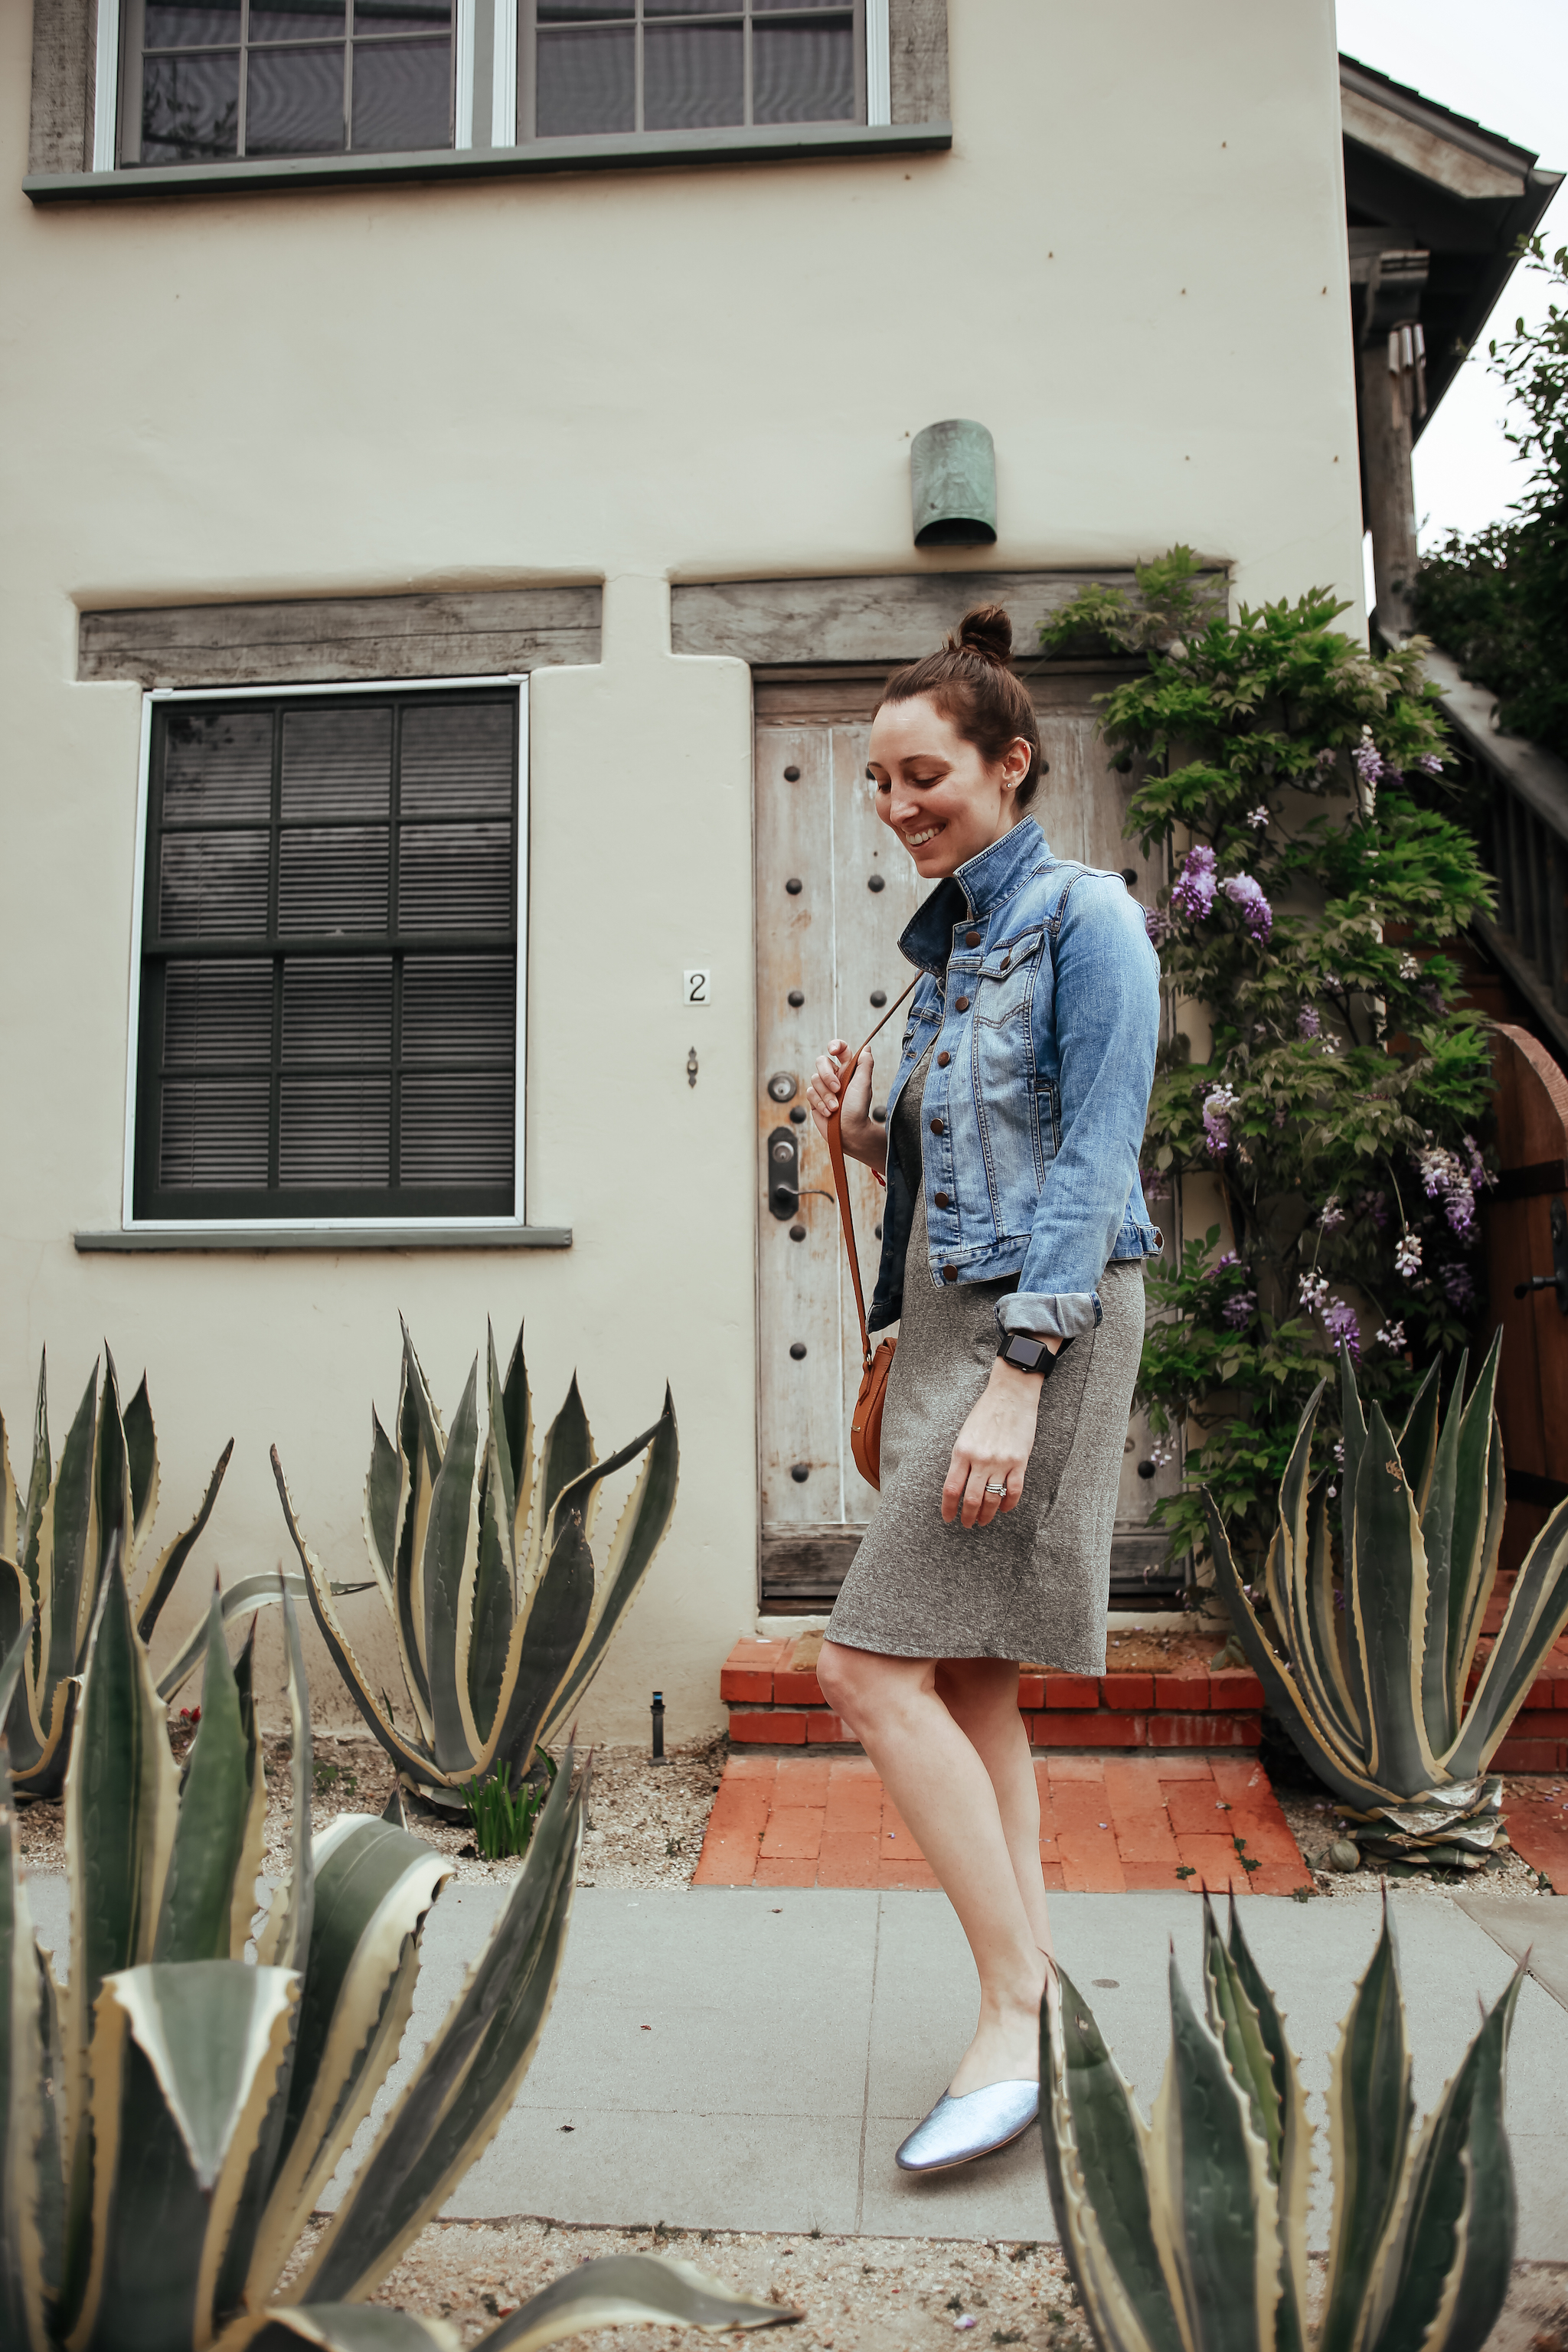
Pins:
x: 984, y: 630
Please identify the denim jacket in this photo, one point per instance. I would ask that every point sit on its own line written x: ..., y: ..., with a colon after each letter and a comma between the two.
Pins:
x: 1040, y: 992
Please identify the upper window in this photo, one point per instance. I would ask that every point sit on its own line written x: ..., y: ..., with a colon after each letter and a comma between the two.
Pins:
x: 206, y: 81
x: 328, y: 1020
x: 690, y: 65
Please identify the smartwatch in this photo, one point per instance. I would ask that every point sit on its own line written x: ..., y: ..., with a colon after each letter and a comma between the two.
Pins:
x: 1026, y: 1354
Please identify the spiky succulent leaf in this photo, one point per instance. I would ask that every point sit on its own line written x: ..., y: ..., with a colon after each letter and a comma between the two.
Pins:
x: 375, y: 1886
x: 28, y: 1533
x: 1536, y: 1614
x: 142, y: 1460
x: 210, y: 1887
x: 421, y: 1442
x: 26, y: 2265
x: 10, y: 1500
x: 186, y: 2060
x: 624, y: 2290
x: 113, y: 1516
x: 567, y: 1452
x: 516, y: 1420
x: 641, y: 1528
x: 1326, y: 1749
x: 451, y: 1554
x: 65, y: 1534
x: 1096, y: 2146
x: 410, y: 1756
x: 1215, y: 2209
x: 1292, y: 2166
x: 285, y: 1938
x: 460, y: 2089
x: 1385, y: 1613
x: 339, y: 2327
x: 382, y: 1497
x: 1445, y: 2267
x: 545, y: 1643
x: 1436, y: 1507
x: 165, y: 1571
x: 1370, y: 2110
x: 490, y: 1609
x: 1478, y: 1506
x: 1417, y: 1439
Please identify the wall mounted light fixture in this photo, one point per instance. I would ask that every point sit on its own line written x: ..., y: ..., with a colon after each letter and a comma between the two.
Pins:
x: 953, y: 484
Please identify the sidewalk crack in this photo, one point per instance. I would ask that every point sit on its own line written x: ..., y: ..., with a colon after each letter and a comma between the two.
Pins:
x: 865, y: 2087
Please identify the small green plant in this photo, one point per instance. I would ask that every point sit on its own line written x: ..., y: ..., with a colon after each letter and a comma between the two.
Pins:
x: 504, y: 1821
x: 1368, y: 1674
x: 1188, y: 2233
x: 500, y: 1608
x: 56, y: 1538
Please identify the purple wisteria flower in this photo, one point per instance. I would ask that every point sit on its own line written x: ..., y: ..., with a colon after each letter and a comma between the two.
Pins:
x: 1308, y: 1022
x: 1155, y: 1183
x: 1431, y: 763
x: 1192, y: 895
x: 1312, y: 1290
x: 1258, y: 818
x: 1256, y: 911
x: 1367, y: 759
x: 1157, y: 924
x: 1409, y: 968
x: 1331, y: 1216
x: 1392, y: 1336
x: 1326, y: 760
x: 1343, y: 1329
x: 1376, y: 1206
x: 1458, y: 1283
x: 1239, y: 1311
x: 1217, y: 1107
x: 1445, y: 1177
x: 1407, y: 1256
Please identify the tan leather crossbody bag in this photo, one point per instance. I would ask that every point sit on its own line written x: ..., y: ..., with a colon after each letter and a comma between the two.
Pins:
x: 865, y: 1425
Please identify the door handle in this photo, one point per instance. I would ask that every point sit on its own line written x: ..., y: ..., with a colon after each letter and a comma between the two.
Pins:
x: 783, y: 1171
x: 1557, y: 1279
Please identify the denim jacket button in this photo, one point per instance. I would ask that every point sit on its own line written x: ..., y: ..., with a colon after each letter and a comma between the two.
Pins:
x: 961, y: 1004
x: 950, y: 1273
x: 937, y: 1128
x: 940, y: 1199
x: 943, y: 1059
x: 971, y: 938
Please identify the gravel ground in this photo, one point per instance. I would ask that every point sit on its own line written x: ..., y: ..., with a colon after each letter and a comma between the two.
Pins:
x: 1314, y: 1823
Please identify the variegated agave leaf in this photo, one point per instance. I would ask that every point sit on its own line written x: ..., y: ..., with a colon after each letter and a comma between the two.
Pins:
x: 421, y: 1443
x: 1290, y: 2163
x: 1096, y: 2146
x: 517, y: 1418
x: 262, y: 1590
x: 29, y: 2252
x: 565, y: 1455
x: 451, y: 1558
x: 622, y: 2290
x: 164, y: 1573
x: 1370, y: 2110
x: 462, y: 2086
x: 1386, y: 1598
x: 186, y: 2060
x: 209, y: 1890
x: 545, y: 1642
x: 339, y: 2327
x: 1536, y: 1614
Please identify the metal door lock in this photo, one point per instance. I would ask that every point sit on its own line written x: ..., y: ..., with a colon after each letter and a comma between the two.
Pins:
x: 783, y: 1086
x: 1557, y: 1279
x: 783, y: 1171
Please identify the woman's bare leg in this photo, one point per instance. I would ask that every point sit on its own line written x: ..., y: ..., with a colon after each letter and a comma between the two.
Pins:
x: 940, y: 1781
x: 982, y: 1696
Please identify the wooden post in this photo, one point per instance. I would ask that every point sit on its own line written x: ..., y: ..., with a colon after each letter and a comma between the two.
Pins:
x: 1385, y: 421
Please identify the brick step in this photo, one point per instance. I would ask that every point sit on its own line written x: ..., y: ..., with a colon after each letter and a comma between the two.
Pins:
x: 1107, y: 1825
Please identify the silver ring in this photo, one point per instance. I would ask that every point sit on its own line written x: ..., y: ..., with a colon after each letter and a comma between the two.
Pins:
x: 997, y: 1490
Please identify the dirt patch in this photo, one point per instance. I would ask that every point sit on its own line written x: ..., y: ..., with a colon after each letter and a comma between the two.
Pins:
x: 1137, y: 1652
x: 1314, y: 1825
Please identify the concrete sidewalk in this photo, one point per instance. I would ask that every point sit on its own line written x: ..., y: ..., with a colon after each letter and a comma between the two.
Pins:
x: 749, y: 2059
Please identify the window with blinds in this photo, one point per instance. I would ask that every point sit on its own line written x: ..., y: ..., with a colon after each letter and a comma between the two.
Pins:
x: 691, y: 65
x: 328, y: 1021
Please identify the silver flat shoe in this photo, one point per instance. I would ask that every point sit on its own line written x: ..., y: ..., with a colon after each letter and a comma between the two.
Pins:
x: 975, y: 2125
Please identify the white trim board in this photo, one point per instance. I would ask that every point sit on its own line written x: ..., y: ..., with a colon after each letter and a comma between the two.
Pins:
x: 301, y: 1228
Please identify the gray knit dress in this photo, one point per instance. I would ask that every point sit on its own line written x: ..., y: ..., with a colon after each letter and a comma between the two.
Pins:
x: 1032, y: 1585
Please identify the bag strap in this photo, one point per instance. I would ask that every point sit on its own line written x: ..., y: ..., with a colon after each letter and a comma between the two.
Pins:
x: 841, y: 1175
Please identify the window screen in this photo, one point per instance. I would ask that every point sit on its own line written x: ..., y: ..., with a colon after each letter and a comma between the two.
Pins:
x: 328, y: 964
x: 693, y: 65
x: 208, y: 80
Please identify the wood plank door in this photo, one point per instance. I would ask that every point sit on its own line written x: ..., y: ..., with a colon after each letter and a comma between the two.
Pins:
x: 1531, y: 1098
x: 834, y: 892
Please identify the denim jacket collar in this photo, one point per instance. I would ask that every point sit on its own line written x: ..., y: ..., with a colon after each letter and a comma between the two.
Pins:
x: 984, y: 883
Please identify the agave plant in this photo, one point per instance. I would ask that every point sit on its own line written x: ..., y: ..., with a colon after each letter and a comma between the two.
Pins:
x: 174, y: 2111
x: 500, y: 1612
x: 1373, y: 1692
x: 55, y: 1543
x: 1189, y: 2233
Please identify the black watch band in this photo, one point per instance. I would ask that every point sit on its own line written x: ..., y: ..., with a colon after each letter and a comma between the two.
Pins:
x: 1027, y: 1354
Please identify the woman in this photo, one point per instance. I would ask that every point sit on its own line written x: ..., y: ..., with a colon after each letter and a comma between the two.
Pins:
x: 1014, y: 1236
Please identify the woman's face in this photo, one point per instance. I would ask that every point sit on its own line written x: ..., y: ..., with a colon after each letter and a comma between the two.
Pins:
x: 942, y: 799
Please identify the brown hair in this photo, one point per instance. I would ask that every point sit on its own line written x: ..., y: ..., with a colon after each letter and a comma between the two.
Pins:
x: 971, y: 685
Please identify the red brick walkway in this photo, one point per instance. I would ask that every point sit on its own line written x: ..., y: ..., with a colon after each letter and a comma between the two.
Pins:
x: 1108, y: 1825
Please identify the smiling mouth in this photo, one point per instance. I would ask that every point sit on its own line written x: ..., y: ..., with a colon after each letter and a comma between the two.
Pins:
x: 919, y: 840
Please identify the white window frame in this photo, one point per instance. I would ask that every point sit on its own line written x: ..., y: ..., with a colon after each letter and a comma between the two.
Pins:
x: 216, y: 1226
x: 469, y: 131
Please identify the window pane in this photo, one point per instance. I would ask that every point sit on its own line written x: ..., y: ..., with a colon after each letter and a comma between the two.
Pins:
x: 294, y: 102
x: 403, y: 95
x: 332, y: 882
x: 337, y: 1009
x: 217, y: 764
x: 575, y: 12
x: 190, y: 109
x: 454, y: 877
x: 403, y: 15
x: 334, y: 1131
x: 796, y: 7
x: 203, y: 25
x: 585, y: 81
x: 337, y: 762
x: 217, y: 1009
x: 692, y: 77
x: 456, y: 1128
x: 804, y: 73
x: 213, y: 885
x: 213, y: 1131
x: 456, y: 759
x: 296, y: 20
x: 695, y: 8
x: 460, y: 1008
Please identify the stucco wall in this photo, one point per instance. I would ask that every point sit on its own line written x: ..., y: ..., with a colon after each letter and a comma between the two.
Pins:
x: 1130, y: 267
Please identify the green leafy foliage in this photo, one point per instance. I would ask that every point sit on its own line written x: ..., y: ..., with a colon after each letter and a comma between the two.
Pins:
x: 1340, y: 1098
x: 1189, y: 2233
x: 504, y: 1821
x: 1498, y: 601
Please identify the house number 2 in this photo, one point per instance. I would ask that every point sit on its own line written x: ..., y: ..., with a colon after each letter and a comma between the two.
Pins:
x: 696, y: 987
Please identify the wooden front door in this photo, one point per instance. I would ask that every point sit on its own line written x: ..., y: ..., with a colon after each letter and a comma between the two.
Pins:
x: 834, y: 891
x: 1519, y: 1216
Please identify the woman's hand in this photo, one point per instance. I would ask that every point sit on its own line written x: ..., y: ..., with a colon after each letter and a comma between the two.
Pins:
x: 862, y: 1137
x: 994, y: 1446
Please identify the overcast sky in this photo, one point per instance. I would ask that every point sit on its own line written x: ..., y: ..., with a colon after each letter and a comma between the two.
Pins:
x: 1504, y: 63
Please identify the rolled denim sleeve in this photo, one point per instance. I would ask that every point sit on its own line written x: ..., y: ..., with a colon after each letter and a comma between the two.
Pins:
x: 1106, y: 1017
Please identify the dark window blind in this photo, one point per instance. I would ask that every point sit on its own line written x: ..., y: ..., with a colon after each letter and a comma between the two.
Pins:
x: 329, y: 959
x: 689, y: 65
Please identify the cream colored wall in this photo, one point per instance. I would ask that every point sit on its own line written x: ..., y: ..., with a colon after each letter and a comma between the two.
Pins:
x: 1130, y: 267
